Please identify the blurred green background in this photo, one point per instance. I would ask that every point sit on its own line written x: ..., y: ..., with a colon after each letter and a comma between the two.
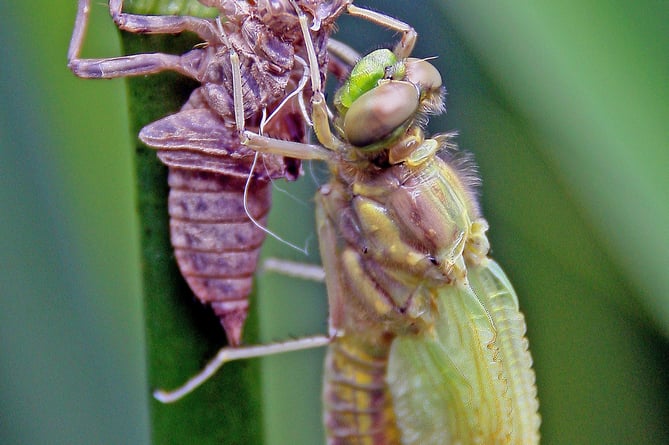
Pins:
x: 565, y: 106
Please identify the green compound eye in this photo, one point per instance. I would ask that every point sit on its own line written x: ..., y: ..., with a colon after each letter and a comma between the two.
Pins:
x: 377, y: 65
x: 381, y: 113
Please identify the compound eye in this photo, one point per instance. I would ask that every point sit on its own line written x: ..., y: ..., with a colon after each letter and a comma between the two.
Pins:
x: 381, y: 112
x: 423, y: 74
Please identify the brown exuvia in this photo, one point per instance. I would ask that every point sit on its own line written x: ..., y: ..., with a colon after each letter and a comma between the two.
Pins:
x: 215, y: 242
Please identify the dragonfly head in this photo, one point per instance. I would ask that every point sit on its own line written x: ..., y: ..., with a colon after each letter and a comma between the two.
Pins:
x: 385, y: 99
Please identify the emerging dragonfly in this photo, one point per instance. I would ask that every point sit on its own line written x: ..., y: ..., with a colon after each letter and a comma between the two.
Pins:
x: 219, y: 195
x: 427, y: 344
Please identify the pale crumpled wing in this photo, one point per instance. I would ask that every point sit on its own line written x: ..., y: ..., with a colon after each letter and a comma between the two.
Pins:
x: 470, y: 380
x: 496, y: 293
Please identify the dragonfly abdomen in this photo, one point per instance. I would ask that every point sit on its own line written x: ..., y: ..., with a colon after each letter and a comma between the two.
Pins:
x: 358, y: 407
x: 215, y: 242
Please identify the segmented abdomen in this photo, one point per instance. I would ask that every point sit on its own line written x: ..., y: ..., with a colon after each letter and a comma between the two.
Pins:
x: 358, y: 407
x: 215, y: 243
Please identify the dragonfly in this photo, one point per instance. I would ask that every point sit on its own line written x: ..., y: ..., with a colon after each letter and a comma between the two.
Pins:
x: 253, y: 55
x: 426, y: 342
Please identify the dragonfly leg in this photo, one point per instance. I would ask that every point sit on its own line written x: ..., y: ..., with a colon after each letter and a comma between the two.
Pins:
x: 236, y: 69
x: 343, y: 52
x: 319, y: 113
x: 133, y: 65
x: 409, y: 35
x: 161, y: 24
x: 295, y: 269
x: 297, y: 150
x: 229, y: 354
